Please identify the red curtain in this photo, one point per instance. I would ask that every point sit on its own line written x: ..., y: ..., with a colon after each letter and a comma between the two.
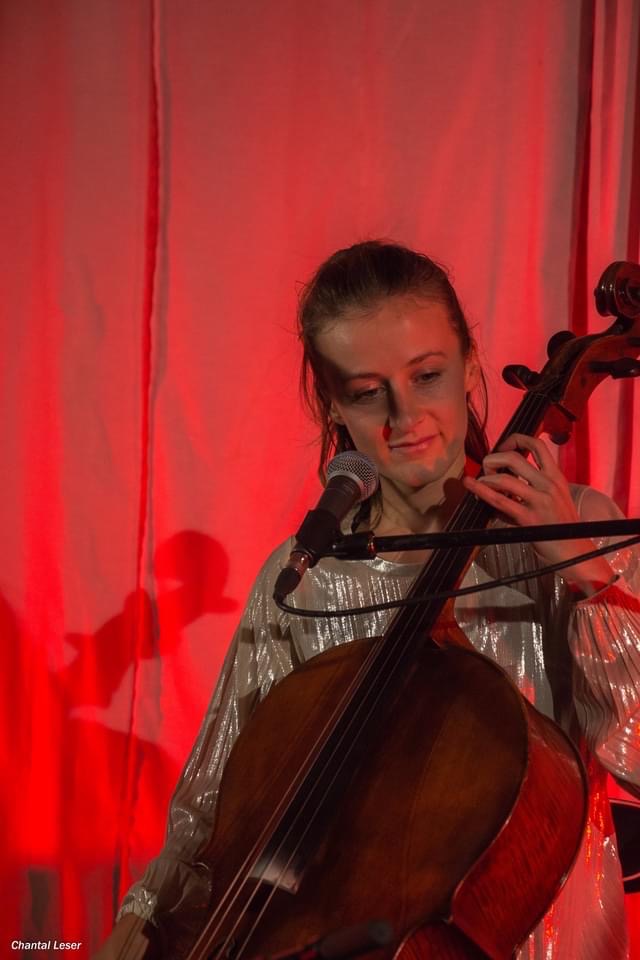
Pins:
x: 171, y: 172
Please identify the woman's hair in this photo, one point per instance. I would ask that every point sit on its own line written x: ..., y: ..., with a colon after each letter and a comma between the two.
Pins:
x: 358, y: 279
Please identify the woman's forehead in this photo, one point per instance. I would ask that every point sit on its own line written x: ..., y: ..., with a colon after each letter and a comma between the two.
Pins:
x: 401, y: 330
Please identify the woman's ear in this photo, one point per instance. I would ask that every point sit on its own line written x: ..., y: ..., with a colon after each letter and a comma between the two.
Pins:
x: 334, y: 413
x: 471, y: 371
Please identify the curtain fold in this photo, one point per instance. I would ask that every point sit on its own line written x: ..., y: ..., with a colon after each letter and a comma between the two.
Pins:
x: 609, y: 232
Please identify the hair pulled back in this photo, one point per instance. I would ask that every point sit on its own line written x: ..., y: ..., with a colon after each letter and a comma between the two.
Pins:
x: 358, y: 279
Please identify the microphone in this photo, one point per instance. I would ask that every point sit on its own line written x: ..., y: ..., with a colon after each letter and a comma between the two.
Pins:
x: 351, y: 478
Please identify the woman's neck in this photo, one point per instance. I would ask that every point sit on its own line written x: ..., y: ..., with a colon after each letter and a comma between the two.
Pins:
x: 422, y: 510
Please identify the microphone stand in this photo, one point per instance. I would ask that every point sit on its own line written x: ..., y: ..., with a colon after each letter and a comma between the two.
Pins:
x: 365, y: 546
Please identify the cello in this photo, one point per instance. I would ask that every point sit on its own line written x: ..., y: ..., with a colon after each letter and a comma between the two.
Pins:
x: 428, y: 827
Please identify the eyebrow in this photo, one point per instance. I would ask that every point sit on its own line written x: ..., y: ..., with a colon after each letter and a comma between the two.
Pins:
x: 362, y: 375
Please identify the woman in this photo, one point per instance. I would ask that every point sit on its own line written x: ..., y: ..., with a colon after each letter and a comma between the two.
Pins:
x: 389, y: 369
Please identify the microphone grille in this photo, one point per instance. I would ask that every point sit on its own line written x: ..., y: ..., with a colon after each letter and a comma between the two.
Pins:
x: 359, y: 467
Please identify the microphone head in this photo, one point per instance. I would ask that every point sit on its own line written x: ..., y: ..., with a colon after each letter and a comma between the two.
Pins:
x: 360, y: 468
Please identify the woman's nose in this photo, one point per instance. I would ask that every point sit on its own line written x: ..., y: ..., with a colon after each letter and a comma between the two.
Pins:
x: 404, y: 412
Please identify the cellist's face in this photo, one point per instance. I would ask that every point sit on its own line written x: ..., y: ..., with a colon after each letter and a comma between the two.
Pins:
x: 399, y: 383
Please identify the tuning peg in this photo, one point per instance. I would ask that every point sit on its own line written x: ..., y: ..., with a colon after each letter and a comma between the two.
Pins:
x: 558, y: 340
x: 618, y: 290
x: 618, y: 369
x: 517, y: 375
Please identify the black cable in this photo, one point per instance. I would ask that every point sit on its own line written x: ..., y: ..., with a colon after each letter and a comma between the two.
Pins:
x: 461, y: 592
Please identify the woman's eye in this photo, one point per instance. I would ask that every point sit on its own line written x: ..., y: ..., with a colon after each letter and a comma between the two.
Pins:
x: 428, y: 376
x: 372, y: 393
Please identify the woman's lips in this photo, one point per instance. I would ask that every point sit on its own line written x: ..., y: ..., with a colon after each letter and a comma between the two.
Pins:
x: 407, y: 447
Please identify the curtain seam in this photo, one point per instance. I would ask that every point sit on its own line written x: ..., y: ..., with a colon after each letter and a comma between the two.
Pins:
x: 141, y: 625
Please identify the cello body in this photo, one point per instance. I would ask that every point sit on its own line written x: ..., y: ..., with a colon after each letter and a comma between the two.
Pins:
x: 458, y: 830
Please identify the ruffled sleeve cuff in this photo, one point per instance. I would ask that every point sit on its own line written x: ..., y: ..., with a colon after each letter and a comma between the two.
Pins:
x: 606, y: 646
x: 140, y: 901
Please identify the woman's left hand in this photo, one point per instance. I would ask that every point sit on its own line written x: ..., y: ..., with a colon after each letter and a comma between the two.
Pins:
x: 533, y: 492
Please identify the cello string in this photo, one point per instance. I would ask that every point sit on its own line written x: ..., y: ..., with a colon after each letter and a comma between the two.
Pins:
x: 377, y: 651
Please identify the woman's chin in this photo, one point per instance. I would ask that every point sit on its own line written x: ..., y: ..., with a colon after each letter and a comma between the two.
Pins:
x: 412, y: 478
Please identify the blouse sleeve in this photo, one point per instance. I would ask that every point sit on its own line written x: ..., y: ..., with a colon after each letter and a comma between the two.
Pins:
x: 605, y: 642
x: 174, y: 891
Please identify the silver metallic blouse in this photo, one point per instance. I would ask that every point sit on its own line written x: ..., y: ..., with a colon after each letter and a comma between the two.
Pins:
x: 578, y: 662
